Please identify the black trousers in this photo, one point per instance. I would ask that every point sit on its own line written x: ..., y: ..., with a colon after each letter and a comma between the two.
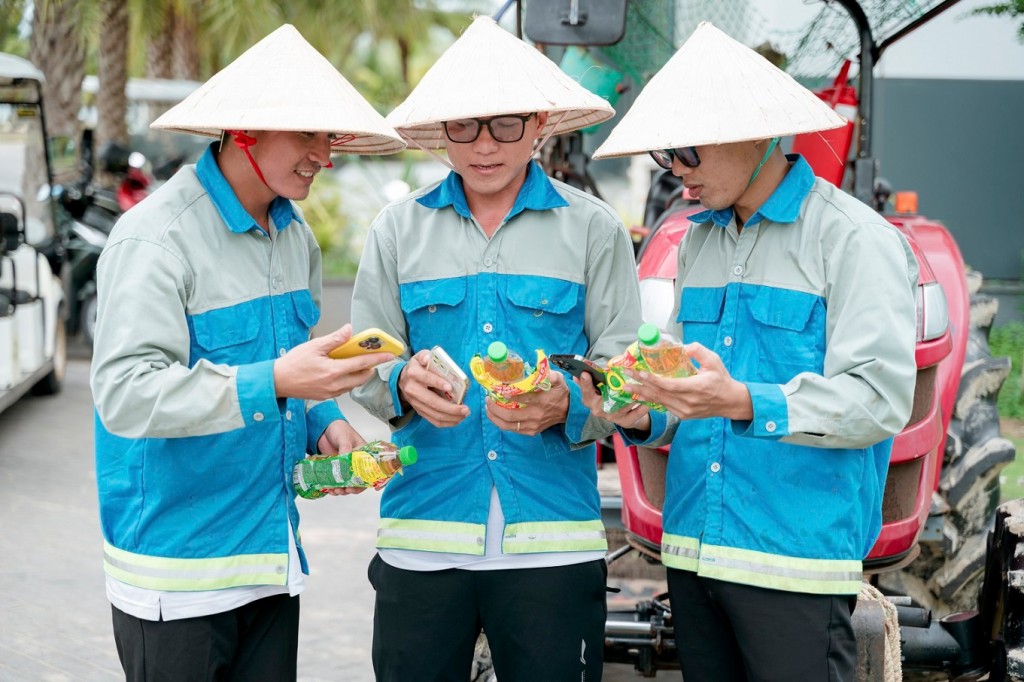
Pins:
x: 258, y: 642
x: 726, y: 632
x: 542, y: 624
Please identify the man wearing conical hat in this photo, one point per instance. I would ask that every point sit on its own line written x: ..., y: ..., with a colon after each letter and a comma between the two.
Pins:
x: 499, y: 524
x: 207, y: 386
x: 797, y: 302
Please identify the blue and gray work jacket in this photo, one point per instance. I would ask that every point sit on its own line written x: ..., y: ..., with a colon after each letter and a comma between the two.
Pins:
x: 194, y: 451
x: 558, y: 275
x: 811, y: 305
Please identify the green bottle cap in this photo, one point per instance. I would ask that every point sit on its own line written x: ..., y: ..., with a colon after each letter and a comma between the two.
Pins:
x: 648, y: 334
x: 407, y: 455
x: 497, y: 352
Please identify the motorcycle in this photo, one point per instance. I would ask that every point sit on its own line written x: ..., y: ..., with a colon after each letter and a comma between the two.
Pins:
x: 92, y: 211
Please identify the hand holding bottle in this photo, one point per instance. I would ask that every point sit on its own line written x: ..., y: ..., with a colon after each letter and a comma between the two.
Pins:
x: 372, y: 465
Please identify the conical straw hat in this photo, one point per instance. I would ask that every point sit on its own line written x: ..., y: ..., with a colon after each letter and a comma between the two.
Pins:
x: 283, y: 83
x: 489, y: 72
x: 715, y: 90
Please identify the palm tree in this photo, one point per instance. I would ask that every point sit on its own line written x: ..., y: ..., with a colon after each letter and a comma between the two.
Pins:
x: 57, y: 48
x: 112, y: 61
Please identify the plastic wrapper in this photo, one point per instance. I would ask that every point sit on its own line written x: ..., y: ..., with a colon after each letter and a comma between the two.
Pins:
x: 506, y: 393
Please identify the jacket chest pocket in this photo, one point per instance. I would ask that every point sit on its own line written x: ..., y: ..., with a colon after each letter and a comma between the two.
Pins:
x: 226, y: 335
x: 305, y: 316
x: 700, y: 311
x: 435, y: 314
x: 545, y: 313
x: 789, y: 328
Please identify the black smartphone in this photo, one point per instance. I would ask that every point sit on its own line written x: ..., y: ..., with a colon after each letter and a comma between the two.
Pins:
x: 576, y: 365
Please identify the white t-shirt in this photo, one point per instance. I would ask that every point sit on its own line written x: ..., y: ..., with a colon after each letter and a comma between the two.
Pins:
x: 157, y: 605
x: 492, y: 560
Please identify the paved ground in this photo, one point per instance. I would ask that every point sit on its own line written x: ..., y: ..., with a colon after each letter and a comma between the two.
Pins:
x: 54, y: 616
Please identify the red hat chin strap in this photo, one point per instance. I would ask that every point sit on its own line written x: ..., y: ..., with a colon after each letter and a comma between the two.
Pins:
x: 337, y: 142
x: 243, y: 142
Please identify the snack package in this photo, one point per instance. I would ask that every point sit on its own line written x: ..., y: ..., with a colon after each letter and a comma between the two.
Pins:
x: 615, y: 391
x: 505, y: 394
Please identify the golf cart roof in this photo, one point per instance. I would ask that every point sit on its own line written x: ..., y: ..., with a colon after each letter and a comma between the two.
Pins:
x: 13, y: 68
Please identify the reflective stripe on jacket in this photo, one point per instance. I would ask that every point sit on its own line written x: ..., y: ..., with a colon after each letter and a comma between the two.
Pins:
x: 811, y: 305
x: 558, y: 275
x: 194, y: 451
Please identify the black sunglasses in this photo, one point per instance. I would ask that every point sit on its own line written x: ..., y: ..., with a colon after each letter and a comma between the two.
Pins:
x: 686, y: 155
x: 508, y: 128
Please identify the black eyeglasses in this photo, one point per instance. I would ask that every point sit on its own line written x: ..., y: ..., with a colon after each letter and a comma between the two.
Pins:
x: 686, y: 155
x: 508, y: 128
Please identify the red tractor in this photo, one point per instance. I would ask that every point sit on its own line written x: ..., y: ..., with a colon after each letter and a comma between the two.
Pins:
x: 949, y: 560
x: 944, y: 549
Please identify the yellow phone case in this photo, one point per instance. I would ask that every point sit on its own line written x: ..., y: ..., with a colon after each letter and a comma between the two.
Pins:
x: 371, y: 340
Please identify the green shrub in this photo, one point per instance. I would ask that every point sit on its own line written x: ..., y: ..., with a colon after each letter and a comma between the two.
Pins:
x: 1007, y: 340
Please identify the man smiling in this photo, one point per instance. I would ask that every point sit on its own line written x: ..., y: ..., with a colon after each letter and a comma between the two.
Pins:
x: 207, y: 387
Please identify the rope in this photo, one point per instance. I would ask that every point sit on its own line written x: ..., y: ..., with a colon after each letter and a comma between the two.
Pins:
x: 893, y: 667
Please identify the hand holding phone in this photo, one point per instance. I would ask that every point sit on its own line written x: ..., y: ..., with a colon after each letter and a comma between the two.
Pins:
x: 577, y: 365
x: 370, y: 340
x: 440, y: 363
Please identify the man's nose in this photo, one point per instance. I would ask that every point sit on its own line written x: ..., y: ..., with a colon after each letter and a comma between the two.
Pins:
x: 321, y: 149
x: 485, y: 141
x: 679, y: 169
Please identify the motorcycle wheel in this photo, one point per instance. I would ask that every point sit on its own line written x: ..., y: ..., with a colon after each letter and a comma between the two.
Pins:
x: 87, y: 323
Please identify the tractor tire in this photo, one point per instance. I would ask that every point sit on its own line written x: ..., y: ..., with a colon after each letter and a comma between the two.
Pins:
x: 947, y: 575
x: 1002, y: 597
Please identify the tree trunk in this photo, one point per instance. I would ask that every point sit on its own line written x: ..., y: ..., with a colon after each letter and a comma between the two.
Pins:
x: 186, y: 45
x: 58, y: 50
x: 113, y: 75
x: 159, y: 47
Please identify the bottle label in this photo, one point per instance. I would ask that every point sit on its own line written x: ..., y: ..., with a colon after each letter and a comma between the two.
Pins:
x: 366, y: 469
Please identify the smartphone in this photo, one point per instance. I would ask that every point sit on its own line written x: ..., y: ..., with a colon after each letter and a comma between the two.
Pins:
x: 576, y: 365
x: 442, y: 365
x: 371, y: 340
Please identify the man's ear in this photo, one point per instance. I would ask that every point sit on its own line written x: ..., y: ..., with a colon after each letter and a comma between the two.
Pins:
x: 542, y: 120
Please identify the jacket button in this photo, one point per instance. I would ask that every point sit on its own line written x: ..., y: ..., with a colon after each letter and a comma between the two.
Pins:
x: 432, y: 308
x: 727, y: 341
x: 716, y: 467
x: 492, y: 455
x: 258, y: 417
x: 488, y: 327
x: 770, y: 427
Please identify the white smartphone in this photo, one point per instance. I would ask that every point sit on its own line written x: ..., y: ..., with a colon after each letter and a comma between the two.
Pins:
x: 442, y: 365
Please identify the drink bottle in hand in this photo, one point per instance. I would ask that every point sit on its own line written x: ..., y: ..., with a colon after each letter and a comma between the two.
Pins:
x: 371, y: 465
x: 503, y: 364
x: 663, y: 354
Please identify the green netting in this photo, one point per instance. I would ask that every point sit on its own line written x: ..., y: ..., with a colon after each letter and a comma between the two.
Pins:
x: 813, y: 48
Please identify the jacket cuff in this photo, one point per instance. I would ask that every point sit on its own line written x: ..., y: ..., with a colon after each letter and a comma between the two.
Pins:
x: 318, y: 418
x: 256, y: 399
x: 771, y: 413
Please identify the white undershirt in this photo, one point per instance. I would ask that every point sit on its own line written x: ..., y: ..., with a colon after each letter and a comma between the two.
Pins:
x: 157, y: 605
x: 492, y: 560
